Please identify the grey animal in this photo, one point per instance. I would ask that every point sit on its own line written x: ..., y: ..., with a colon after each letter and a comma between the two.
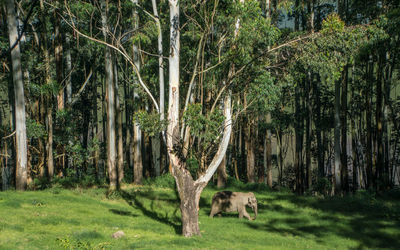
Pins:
x: 227, y: 201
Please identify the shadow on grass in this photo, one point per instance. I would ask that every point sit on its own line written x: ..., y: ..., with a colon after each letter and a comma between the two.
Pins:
x: 122, y: 212
x: 362, y: 219
x: 134, y: 200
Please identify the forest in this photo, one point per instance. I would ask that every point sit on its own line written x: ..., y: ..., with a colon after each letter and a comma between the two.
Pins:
x: 297, y: 101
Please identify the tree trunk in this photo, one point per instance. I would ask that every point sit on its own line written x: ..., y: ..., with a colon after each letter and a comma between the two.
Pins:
x: 368, y: 115
x: 221, y: 172
x: 299, y: 144
x: 337, y: 183
x: 308, y: 131
x: 120, y: 149
x: 250, y: 154
x: 68, y: 66
x: 49, y: 97
x: 20, y: 127
x: 189, y: 191
x: 379, y: 125
x: 268, y: 152
x: 137, y: 137
x: 110, y: 99
x: 156, y: 143
x: 344, y: 172
x: 320, y: 149
x: 58, y: 52
x: 49, y: 143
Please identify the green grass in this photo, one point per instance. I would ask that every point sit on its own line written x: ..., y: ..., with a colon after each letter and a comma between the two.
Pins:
x: 150, y: 217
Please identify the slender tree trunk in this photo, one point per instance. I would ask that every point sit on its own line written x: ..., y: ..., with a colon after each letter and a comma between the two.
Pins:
x: 49, y: 98
x: 250, y: 154
x: 137, y: 139
x: 379, y: 125
x: 337, y: 183
x: 298, y: 135
x: 156, y: 143
x: 49, y: 144
x: 120, y: 149
x: 268, y: 152
x: 386, y: 134
x: 344, y: 172
x: 280, y: 155
x: 20, y: 127
x: 68, y: 67
x: 68, y: 85
x: 221, y: 171
x: 58, y: 52
x: 110, y: 99
x: 354, y: 142
x: 308, y: 131
x: 368, y: 116
x: 320, y: 149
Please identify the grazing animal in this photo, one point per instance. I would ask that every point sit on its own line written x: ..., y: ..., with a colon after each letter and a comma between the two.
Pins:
x: 227, y: 201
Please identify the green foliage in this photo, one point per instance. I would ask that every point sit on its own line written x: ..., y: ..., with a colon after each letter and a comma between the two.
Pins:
x: 264, y: 92
x: 150, y: 122
x: 323, y: 186
x: 35, y: 130
x: 332, y: 24
x: 206, y: 128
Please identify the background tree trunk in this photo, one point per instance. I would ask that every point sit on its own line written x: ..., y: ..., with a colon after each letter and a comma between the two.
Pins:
x: 344, y: 174
x: 221, y: 172
x: 110, y: 99
x: 137, y: 137
x: 337, y: 183
x: 20, y: 127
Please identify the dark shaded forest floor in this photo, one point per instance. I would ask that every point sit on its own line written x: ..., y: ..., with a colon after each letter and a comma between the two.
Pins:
x: 77, y: 218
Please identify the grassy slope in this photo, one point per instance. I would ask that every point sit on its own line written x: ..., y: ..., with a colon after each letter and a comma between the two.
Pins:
x: 58, y: 218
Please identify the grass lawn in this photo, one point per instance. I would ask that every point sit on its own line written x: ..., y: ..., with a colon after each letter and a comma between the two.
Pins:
x: 150, y: 217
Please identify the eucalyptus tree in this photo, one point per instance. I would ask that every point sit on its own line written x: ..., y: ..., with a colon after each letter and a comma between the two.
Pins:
x: 110, y: 96
x: 20, y: 126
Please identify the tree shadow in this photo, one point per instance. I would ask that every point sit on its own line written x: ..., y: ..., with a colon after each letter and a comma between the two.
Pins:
x: 350, y: 218
x: 133, y: 199
x: 122, y: 212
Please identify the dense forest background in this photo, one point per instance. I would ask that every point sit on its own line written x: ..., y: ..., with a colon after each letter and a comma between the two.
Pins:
x: 313, y: 88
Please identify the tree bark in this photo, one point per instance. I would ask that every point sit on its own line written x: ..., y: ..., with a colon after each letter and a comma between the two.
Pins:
x: 268, y: 151
x: 299, y: 144
x: 250, y: 154
x: 344, y: 173
x: 137, y: 137
x: 120, y: 149
x: 320, y: 149
x: 379, y: 125
x: 20, y: 127
x: 110, y: 99
x: 221, y: 181
x: 308, y: 131
x: 156, y: 143
x: 368, y: 115
x: 337, y: 183
x: 58, y: 52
